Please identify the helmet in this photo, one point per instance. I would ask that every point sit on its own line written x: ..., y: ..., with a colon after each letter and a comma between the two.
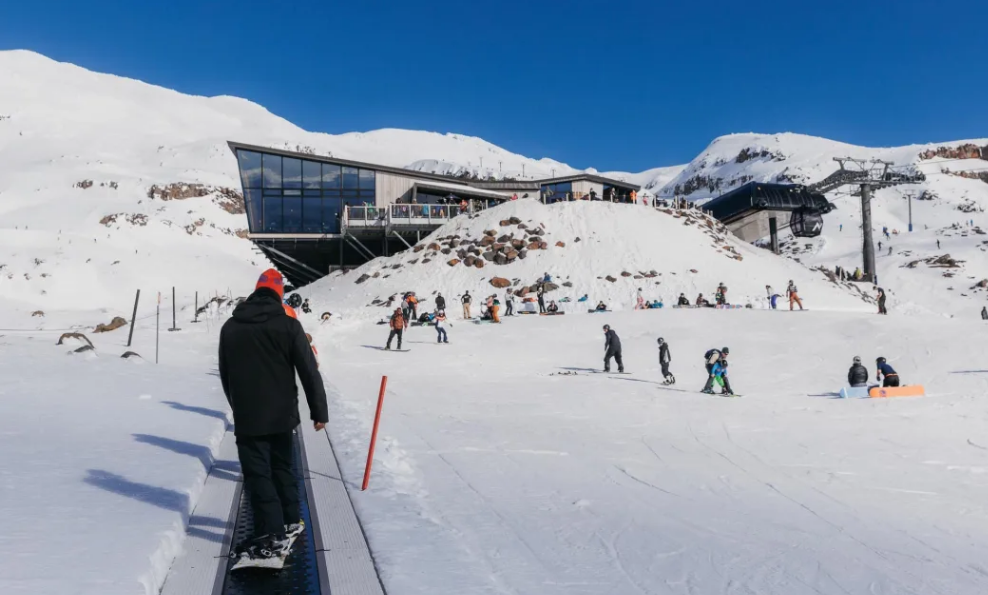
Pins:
x: 661, y: 341
x: 880, y: 360
x: 857, y: 359
x: 725, y: 351
x: 607, y: 327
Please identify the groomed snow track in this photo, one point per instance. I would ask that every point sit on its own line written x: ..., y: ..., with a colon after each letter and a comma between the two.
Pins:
x: 331, y: 557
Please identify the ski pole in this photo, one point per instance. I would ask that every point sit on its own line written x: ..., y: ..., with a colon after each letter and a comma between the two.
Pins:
x: 377, y: 421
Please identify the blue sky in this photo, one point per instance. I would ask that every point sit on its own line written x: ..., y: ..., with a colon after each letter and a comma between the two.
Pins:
x: 611, y: 85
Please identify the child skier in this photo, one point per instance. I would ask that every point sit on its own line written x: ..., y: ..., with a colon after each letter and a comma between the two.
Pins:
x: 440, y: 322
x: 711, y: 358
x: 664, y: 359
x: 719, y: 374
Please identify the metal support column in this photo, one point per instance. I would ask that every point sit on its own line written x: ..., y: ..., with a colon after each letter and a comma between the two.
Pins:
x: 773, y: 231
x: 868, y: 249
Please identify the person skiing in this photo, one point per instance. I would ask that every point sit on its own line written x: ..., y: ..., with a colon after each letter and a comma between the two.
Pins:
x: 938, y: 244
x: 440, y: 302
x: 857, y: 376
x: 881, y: 301
x: 683, y: 300
x: 612, y: 348
x: 711, y: 357
x: 891, y: 378
x: 665, y: 358
x: 793, y: 294
x: 719, y: 374
x: 397, y: 325
x: 440, y: 322
x: 540, y: 293
x: 466, y: 300
x: 509, y: 303
x: 879, y: 244
x: 260, y: 352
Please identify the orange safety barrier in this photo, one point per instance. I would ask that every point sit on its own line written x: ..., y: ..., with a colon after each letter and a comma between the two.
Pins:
x: 879, y: 392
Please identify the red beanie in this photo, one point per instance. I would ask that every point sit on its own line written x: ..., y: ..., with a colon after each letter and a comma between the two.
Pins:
x: 272, y: 279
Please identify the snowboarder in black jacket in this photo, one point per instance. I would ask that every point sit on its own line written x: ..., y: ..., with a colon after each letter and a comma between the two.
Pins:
x: 540, y: 293
x: 857, y: 376
x: 612, y: 348
x: 881, y: 301
x: 665, y: 358
x: 440, y: 302
x: 261, y: 349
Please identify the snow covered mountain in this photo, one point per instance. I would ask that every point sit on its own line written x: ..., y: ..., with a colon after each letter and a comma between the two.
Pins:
x: 109, y: 184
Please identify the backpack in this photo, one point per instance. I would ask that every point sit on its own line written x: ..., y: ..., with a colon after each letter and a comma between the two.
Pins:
x: 709, y: 354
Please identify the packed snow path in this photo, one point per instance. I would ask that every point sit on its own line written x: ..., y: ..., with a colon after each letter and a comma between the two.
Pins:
x: 494, y: 475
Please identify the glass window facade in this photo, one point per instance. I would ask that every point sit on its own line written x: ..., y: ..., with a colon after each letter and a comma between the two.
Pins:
x: 289, y: 195
x: 556, y: 192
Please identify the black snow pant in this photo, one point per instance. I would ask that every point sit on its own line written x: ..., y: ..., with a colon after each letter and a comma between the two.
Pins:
x: 665, y: 370
x: 709, y: 386
x: 510, y: 309
x: 395, y: 333
x: 881, y: 306
x: 541, y: 305
x: 266, y: 463
x: 891, y: 381
x: 617, y: 357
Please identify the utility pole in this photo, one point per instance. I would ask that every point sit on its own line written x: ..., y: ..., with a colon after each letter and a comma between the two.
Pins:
x: 523, y: 170
x: 909, y: 197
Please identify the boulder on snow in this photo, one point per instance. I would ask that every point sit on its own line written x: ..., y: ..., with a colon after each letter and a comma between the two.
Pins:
x: 469, y: 260
x: 639, y: 277
x: 522, y: 226
x: 500, y: 282
x: 497, y: 247
x: 547, y: 287
x: 567, y: 284
x: 418, y: 248
x: 116, y: 323
x: 425, y: 260
x: 479, y: 263
x: 517, y: 244
x: 487, y: 241
x: 504, y: 239
x: 38, y: 313
x: 489, y: 255
x: 504, y: 222
x: 514, y: 220
x: 560, y: 244
x: 446, y: 251
x: 130, y: 354
x: 511, y: 254
x: 543, y: 245
x: 461, y: 254
x: 76, y: 336
x: 500, y: 258
x: 535, y: 246
x: 610, y: 278
x: 454, y: 243
x: 537, y: 231
x: 522, y: 254
x: 453, y: 262
x: 577, y: 240
x: 625, y: 274
x: 490, y: 233
x: 434, y: 246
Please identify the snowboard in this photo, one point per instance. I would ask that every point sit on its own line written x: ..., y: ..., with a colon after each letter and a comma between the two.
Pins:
x: 398, y: 350
x: 605, y: 372
x: 275, y: 563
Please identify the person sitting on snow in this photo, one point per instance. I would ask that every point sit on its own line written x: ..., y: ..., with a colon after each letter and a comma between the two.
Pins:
x: 683, y: 300
x: 601, y: 307
x: 584, y: 298
x: 553, y: 308
x: 701, y: 301
x: 857, y: 376
x: 656, y: 304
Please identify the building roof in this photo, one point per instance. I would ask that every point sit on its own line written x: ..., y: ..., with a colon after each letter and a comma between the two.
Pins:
x: 447, y: 187
x: 759, y: 196
x: 507, y: 185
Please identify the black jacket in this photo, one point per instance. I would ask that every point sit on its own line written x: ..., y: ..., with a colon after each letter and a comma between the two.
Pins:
x: 683, y: 301
x: 664, y: 356
x: 858, y: 374
x: 440, y: 302
x: 261, y: 349
x: 612, y: 343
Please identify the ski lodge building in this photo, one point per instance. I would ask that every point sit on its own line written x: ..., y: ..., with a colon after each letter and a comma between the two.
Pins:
x: 311, y: 214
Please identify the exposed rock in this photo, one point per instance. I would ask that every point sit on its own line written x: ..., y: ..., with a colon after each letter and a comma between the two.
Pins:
x: 479, y: 263
x: 425, y: 260
x: 500, y: 258
x: 639, y: 276
x: 567, y: 284
x: 396, y: 266
x: 560, y: 244
x: 413, y: 261
x: 511, y: 254
x: 535, y: 246
x: 514, y: 220
x: 77, y: 336
x: 537, y: 231
x: 461, y: 254
x: 488, y: 256
x: 625, y: 274
x: 517, y: 244
x: 543, y: 245
x: 504, y: 239
x: 418, y: 248
x: 454, y: 243
x: 522, y: 226
x: 497, y: 247
x: 453, y: 262
x: 130, y: 354
x: 376, y: 274
x: 693, y: 271
x: 490, y: 233
x: 469, y: 260
x: 522, y: 254
x: 610, y: 278
x: 38, y: 313
x: 362, y: 278
x: 446, y: 251
x: 487, y: 241
x: 434, y: 246
x: 547, y: 287
x: 577, y: 240
x: 84, y: 349
x: 504, y: 223
x: 500, y: 282
x: 116, y: 323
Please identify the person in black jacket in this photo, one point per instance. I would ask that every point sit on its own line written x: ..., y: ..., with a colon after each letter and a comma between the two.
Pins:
x: 261, y: 349
x: 540, y: 293
x: 881, y: 301
x: 665, y: 358
x: 858, y: 375
x: 612, y: 348
x: 440, y: 302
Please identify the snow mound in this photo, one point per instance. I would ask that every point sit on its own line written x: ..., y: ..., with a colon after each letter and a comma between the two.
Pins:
x: 603, y: 250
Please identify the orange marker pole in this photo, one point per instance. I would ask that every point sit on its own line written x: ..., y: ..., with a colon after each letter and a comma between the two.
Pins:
x: 377, y: 420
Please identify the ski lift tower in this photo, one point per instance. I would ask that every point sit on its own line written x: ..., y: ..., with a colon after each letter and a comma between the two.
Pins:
x: 868, y: 176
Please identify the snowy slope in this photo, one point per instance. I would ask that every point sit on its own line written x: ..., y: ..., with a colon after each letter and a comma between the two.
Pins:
x: 494, y: 473
x: 665, y: 252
